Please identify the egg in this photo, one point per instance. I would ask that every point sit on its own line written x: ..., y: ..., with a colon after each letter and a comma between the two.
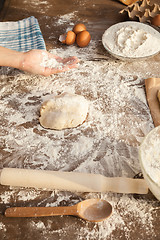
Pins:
x: 156, y: 20
x: 79, y: 28
x: 68, y: 38
x: 83, y: 38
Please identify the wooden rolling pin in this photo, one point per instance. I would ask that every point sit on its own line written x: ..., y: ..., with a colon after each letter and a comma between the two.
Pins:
x: 71, y: 181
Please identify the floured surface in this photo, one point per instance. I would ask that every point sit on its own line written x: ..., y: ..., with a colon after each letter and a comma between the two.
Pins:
x: 107, y: 143
x: 114, y: 122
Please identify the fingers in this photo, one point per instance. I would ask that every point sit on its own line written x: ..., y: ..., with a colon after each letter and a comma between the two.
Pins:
x: 59, y: 59
x: 63, y: 69
x: 49, y: 71
x: 65, y: 64
x: 70, y: 60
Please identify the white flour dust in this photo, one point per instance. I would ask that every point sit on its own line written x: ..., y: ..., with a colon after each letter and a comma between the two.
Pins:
x: 50, y: 62
x: 138, y: 212
x: 67, y: 18
x: 107, y: 143
x: 132, y: 39
x: 2, y: 227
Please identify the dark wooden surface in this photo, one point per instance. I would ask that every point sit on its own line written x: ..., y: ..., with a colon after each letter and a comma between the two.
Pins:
x: 98, y: 15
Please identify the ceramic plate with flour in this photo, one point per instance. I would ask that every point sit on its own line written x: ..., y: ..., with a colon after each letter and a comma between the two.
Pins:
x: 131, y: 40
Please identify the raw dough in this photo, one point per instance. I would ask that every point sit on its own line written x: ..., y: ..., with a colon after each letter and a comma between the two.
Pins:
x: 63, y: 111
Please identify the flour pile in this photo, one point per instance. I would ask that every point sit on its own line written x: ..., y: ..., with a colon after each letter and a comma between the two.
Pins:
x: 50, y: 62
x: 132, y: 40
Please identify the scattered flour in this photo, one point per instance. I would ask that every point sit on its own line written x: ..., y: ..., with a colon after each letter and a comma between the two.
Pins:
x: 2, y: 227
x: 107, y: 143
x: 21, y: 195
x: 67, y: 18
x: 24, y: 195
x: 50, y: 62
x: 139, y: 213
x: 6, y: 197
x: 38, y: 225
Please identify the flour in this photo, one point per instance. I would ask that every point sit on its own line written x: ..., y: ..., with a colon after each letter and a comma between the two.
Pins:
x: 6, y: 197
x: 107, y: 143
x: 24, y: 195
x: 139, y: 211
x: 2, y: 227
x: 134, y: 210
x: 38, y: 225
x: 67, y: 18
x: 21, y: 195
x: 50, y: 62
x: 132, y: 40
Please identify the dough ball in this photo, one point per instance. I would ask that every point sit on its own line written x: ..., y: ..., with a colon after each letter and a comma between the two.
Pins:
x: 63, y: 111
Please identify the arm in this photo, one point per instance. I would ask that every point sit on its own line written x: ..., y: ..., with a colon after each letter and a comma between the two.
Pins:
x: 31, y: 61
x: 10, y: 58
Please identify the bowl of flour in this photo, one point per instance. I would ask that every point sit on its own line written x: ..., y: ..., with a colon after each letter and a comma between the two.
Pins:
x: 149, y: 156
x: 131, y: 40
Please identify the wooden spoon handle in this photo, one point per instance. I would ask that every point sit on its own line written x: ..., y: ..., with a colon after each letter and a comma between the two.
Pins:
x: 40, y: 211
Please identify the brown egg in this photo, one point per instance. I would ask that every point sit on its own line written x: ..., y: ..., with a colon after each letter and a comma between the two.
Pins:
x: 83, y: 38
x: 156, y: 20
x: 79, y: 28
x: 68, y: 38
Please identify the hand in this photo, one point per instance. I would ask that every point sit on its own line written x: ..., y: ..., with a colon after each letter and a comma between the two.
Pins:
x: 35, y: 61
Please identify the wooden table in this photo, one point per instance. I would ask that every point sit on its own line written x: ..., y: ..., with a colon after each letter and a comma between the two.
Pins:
x: 111, y: 151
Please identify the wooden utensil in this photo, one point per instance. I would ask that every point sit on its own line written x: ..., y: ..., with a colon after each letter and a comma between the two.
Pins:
x: 93, y: 210
x: 71, y: 181
x: 152, y: 85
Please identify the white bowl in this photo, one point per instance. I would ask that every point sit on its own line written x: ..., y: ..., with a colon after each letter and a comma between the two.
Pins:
x: 149, y: 156
x: 110, y: 39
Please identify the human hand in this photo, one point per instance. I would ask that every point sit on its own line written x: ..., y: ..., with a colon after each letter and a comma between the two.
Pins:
x: 44, y: 63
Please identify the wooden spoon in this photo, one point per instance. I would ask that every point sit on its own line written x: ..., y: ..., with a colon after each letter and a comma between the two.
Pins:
x: 93, y: 210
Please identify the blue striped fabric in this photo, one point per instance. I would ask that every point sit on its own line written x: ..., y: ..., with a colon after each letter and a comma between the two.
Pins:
x: 22, y: 35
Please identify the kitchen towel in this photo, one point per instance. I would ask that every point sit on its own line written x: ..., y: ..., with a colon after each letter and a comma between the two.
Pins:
x: 22, y: 35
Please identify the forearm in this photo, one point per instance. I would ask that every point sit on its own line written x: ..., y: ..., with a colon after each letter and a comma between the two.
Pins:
x: 10, y: 58
x: 32, y: 60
